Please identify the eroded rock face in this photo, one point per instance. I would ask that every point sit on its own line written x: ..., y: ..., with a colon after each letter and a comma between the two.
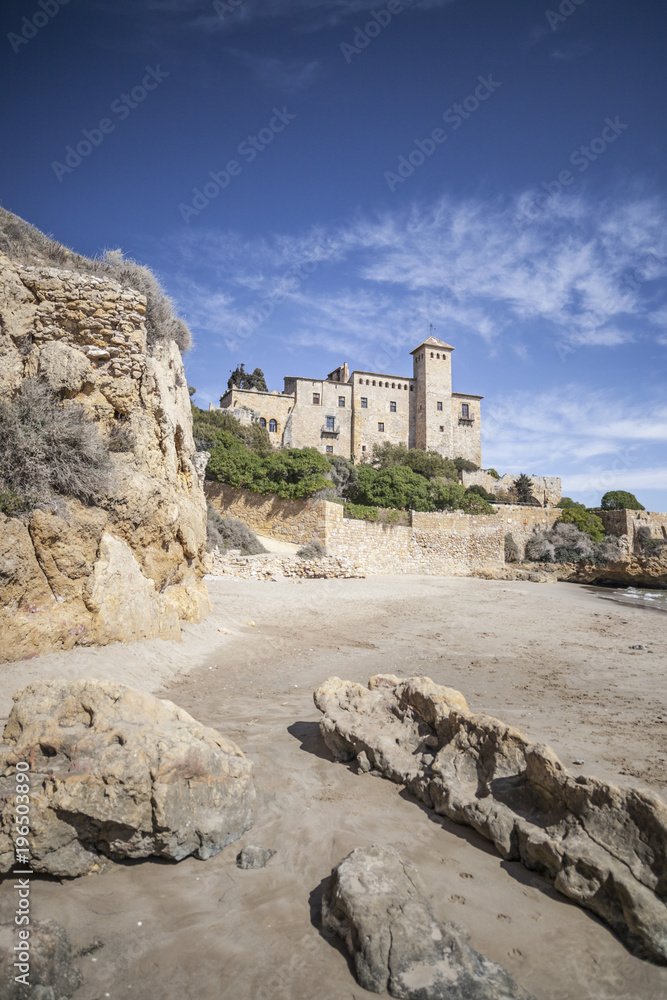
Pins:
x: 85, y: 337
x: 52, y: 975
x: 376, y: 902
x: 605, y: 847
x: 120, y: 773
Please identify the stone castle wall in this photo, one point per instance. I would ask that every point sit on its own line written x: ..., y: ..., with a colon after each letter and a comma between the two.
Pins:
x: 297, y: 521
x: 546, y: 489
x: 628, y: 522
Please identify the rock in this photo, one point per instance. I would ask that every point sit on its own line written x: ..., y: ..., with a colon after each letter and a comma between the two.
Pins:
x: 604, y: 847
x: 85, y: 336
x: 376, y: 902
x: 119, y: 773
x: 253, y: 856
x: 52, y: 975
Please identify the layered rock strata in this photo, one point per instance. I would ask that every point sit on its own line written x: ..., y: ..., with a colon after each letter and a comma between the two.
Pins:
x: 604, y: 847
x: 118, y: 773
x: 131, y: 565
x: 376, y: 902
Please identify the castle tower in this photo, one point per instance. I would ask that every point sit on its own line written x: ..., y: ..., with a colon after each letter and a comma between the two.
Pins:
x: 432, y: 406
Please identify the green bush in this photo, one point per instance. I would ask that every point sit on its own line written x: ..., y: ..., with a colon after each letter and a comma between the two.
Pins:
x: 49, y: 448
x: 11, y: 503
x: 472, y: 503
x: 394, y: 516
x: 293, y: 474
x: 566, y: 502
x: 312, y: 550
x: 492, y: 472
x: 395, y: 486
x: 343, y: 474
x: 620, y: 500
x: 585, y: 521
x: 360, y: 513
x: 481, y: 492
x: 465, y: 465
x: 229, y: 533
x: 212, y: 427
x: 511, y: 550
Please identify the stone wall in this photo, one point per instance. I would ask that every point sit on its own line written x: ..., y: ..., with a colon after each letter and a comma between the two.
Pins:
x: 438, y: 544
x: 130, y: 565
x: 628, y: 522
x: 275, y: 568
x: 521, y: 522
x: 297, y: 521
x: 546, y: 489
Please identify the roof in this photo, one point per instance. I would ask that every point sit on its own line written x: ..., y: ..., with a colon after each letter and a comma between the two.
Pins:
x: 467, y: 395
x: 401, y: 378
x: 433, y: 342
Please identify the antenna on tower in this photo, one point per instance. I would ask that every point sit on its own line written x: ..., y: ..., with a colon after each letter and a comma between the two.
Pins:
x: 431, y: 328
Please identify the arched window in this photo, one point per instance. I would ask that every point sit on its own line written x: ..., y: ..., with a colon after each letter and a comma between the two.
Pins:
x: 273, y: 426
x: 393, y: 385
x: 262, y: 422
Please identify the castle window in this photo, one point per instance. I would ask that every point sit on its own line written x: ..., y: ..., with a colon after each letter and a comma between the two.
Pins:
x: 392, y: 407
x: 393, y: 385
x: 363, y: 447
x: 465, y: 410
x: 431, y: 353
x: 367, y: 382
x: 439, y: 405
x: 262, y: 422
x: 331, y: 423
x: 373, y: 381
x: 341, y: 400
x: 441, y: 427
x: 386, y: 385
x: 380, y: 426
x: 412, y: 388
x: 273, y: 426
x: 316, y: 399
x: 329, y: 449
x: 364, y: 402
x: 438, y: 356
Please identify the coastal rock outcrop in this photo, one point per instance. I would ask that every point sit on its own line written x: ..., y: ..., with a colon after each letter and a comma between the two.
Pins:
x: 376, y: 902
x: 69, y: 576
x: 118, y: 773
x: 605, y: 847
x: 51, y: 973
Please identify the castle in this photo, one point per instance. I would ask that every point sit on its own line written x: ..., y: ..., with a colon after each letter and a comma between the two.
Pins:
x: 347, y: 413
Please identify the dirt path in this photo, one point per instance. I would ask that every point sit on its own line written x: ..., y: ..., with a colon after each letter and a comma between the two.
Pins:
x: 553, y: 660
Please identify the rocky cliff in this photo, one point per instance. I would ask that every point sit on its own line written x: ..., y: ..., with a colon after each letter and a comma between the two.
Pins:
x: 127, y: 563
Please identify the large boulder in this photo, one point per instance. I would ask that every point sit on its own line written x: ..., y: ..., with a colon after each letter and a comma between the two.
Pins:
x: 51, y: 975
x: 376, y: 902
x: 119, y: 773
x: 605, y: 847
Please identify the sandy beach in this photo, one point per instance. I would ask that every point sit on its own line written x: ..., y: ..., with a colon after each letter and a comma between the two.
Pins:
x: 553, y: 660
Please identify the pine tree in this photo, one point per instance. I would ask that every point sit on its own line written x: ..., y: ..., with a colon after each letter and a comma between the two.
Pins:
x: 523, y: 488
x: 257, y: 380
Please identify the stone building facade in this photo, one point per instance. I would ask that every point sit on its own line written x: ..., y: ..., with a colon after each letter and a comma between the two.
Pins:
x: 346, y: 413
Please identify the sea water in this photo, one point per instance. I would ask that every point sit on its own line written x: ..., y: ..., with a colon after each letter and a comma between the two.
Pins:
x: 637, y: 597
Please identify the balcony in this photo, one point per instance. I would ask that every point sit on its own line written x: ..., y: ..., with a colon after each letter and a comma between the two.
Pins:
x: 330, y: 431
x: 467, y: 421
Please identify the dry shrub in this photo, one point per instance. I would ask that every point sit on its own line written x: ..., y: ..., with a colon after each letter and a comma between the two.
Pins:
x: 48, y: 448
x: 228, y: 533
x: 313, y: 550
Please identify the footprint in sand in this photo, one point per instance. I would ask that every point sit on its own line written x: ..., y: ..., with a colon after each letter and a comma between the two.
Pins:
x: 465, y: 875
x: 457, y: 899
x: 503, y: 916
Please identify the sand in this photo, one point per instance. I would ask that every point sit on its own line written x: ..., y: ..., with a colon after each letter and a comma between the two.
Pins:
x: 553, y: 660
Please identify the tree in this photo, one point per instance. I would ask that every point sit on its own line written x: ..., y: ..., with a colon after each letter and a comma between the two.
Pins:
x: 481, y: 492
x: 524, y: 489
x: 465, y: 465
x: 241, y: 379
x: 191, y: 390
x: 585, y: 521
x: 569, y: 502
x: 620, y: 500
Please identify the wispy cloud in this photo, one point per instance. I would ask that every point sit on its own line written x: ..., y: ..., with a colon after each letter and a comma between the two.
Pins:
x: 591, y: 275
x: 288, y: 75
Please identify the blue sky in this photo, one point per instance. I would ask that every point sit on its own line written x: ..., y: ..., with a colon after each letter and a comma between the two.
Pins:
x: 317, y: 181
